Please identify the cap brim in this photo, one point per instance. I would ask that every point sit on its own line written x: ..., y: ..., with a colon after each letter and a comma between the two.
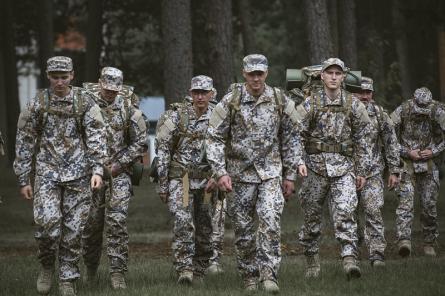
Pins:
x: 261, y: 68
x: 111, y: 87
x: 324, y: 68
x: 200, y: 88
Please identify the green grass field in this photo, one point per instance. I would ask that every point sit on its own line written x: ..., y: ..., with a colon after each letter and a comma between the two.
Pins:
x: 151, y: 270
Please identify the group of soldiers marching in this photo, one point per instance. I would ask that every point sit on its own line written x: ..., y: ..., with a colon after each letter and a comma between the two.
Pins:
x: 77, y: 149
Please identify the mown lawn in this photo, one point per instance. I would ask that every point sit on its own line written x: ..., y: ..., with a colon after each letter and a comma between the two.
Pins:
x: 151, y: 269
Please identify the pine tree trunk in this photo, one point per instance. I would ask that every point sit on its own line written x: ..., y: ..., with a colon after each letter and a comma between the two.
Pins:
x: 94, y: 40
x: 348, y: 37
x: 46, y: 37
x: 248, y: 36
x: 177, y: 44
x: 401, y: 41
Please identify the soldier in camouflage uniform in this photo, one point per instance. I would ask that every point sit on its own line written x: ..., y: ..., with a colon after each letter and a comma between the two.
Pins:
x: 420, y: 123
x: 127, y: 141
x: 185, y: 183
x: 252, y: 145
x: 337, y: 153
x: 62, y: 132
x: 385, y: 150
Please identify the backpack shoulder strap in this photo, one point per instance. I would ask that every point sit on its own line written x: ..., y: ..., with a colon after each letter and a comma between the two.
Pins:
x: 279, y: 99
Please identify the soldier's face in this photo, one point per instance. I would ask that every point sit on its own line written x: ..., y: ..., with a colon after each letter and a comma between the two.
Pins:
x: 365, y: 96
x: 201, y: 98
x: 108, y: 95
x: 255, y: 80
x: 59, y: 82
x: 333, y: 77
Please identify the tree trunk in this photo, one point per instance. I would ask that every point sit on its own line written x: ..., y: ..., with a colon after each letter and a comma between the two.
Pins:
x: 219, y: 36
x: 401, y: 41
x: 94, y: 40
x: 320, y: 41
x: 247, y: 33
x: 348, y: 36
x: 46, y: 37
x: 11, y: 85
x: 177, y: 44
x: 333, y: 21
x: 3, y: 111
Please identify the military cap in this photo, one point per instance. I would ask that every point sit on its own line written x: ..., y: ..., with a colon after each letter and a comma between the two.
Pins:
x: 333, y: 62
x: 202, y: 82
x: 423, y: 96
x: 59, y: 64
x: 255, y: 62
x: 367, y: 84
x: 111, y: 79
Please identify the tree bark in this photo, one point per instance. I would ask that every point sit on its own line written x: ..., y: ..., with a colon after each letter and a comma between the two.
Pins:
x: 401, y: 41
x: 320, y: 41
x: 219, y: 36
x: 247, y: 33
x: 177, y: 44
x: 94, y: 40
x: 46, y: 37
x: 348, y: 37
x: 333, y: 21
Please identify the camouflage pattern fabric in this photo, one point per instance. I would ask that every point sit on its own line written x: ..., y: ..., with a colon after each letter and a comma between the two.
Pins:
x: 59, y: 64
x: 218, y: 221
x: 255, y: 146
x: 333, y: 62
x: 110, y: 208
x: 111, y: 79
x: 330, y: 173
x: 63, y: 168
x: 127, y: 141
x: 202, y: 82
x: 343, y: 203
x: 255, y: 62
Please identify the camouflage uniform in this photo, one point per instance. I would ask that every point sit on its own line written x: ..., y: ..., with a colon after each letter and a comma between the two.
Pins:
x: 218, y: 221
x: 180, y: 166
x: 420, y: 123
x: 127, y: 141
x: 385, y: 149
x: 65, y: 157
x: 332, y: 129
x: 255, y: 143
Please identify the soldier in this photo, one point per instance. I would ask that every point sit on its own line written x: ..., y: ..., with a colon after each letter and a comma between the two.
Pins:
x: 252, y: 144
x: 420, y: 123
x: 185, y: 183
x: 385, y: 149
x: 334, y: 127
x: 127, y: 141
x: 63, y: 133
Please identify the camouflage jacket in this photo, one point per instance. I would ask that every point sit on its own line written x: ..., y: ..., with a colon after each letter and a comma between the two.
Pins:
x: 62, y: 152
x: 383, y: 141
x: 255, y: 143
x: 420, y: 128
x: 182, y: 147
x: 323, y: 125
x: 126, y: 130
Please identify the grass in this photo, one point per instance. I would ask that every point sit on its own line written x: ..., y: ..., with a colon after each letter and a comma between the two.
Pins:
x: 151, y: 270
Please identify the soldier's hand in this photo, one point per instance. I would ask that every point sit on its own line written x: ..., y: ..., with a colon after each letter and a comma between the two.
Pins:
x: 163, y: 197
x: 415, y: 154
x: 116, y: 169
x: 426, y: 154
x: 211, y: 185
x: 26, y: 192
x: 360, y: 182
x: 302, y: 170
x: 225, y: 183
x: 393, y: 181
x: 288, y: 189
x: 96, y: 182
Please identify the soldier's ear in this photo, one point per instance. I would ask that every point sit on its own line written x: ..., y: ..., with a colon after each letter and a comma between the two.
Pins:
x: 72, y: 75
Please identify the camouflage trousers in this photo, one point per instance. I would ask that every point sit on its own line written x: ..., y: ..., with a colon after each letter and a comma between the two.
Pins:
x: 192, y: 229
x: 218, y: 220
x: 427, y: 187
x: 342, y: 195
x: 371, y: 202
x: 258, y: 252
x: 60, y: 212
x: 110, y: 208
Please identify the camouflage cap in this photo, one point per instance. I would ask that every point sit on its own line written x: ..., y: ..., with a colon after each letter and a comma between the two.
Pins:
x: 59, y: 64
x: 334, y: 62
x: 367, y: 83
x: 423, y: 96
x: 111, y: 79
x: 255, y: 62
x: 202, y: 82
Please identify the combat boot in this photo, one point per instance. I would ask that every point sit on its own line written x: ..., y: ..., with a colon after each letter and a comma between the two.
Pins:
x: 250, y: 284
x: 312, y: 266
x: 404, y: 248
x: 350, y: 267
x: 214, y: 269
x: 378, y: 263
x: 271, y: 287
x: 44, y: 280
x: 185, y: 277
x: 67, y: 288
x: 118, y: 281
x: 429, y: 251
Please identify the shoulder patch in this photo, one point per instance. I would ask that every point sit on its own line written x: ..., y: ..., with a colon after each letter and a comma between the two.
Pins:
x: 24, y: 116
x: 139, y: 119
x: 165, y: 129
x: 96, y: 113
x: 219, y: 114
